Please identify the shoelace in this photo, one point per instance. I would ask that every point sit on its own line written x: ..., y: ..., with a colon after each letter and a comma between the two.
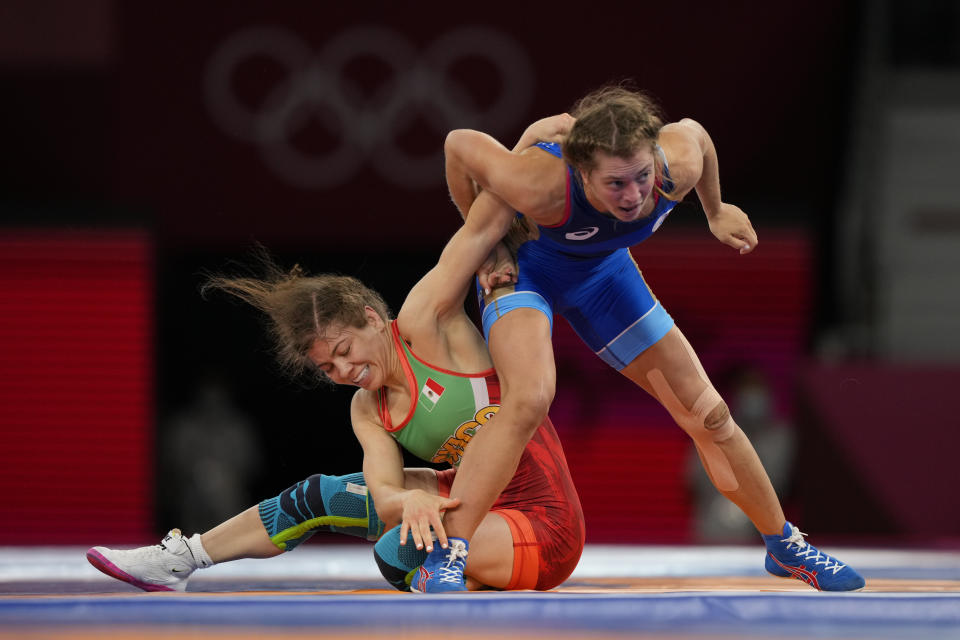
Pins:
x: 812, y: 553
x: 452, y: 571
x: 169, y: 538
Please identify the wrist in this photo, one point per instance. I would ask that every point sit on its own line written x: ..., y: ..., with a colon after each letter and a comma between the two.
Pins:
x: 711, y: 211
x: 711, y: 204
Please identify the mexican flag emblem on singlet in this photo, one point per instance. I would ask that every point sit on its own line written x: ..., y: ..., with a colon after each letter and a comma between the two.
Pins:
x: 430, y: 394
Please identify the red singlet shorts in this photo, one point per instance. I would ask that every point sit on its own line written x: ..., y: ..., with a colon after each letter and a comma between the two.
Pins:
x: 543, y: 511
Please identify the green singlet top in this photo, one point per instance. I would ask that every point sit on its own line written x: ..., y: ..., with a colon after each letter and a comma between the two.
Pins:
x: 446, y: 407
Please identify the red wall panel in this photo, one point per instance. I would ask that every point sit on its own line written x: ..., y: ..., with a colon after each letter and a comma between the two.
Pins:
x: 76, y: 386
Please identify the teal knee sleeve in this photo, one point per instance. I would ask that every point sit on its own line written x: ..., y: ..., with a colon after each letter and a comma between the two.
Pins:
x: 340, y: 503
x: 397, y: 563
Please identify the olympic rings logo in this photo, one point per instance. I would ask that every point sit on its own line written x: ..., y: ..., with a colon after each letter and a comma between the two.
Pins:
x: 315, y: 88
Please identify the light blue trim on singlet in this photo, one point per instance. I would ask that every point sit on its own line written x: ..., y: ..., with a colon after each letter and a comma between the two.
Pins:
x: 516, y: 300
x: 637, y: 338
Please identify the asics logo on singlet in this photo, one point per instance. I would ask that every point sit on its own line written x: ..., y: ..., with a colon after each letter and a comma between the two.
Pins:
x: 582, y: 234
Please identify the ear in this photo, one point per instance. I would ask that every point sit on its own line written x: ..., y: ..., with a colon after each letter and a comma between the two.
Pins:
x: 373, y: 318
x: 584, y: 178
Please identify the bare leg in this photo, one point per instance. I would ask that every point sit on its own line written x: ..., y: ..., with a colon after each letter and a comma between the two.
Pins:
x: 490, y: 562
x: 523, y: 356
x: 491, y: 554
x: 242, y: 536
x: 681, y: 370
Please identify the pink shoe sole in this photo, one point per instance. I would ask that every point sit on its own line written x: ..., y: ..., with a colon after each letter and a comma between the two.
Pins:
x: 100, y: 562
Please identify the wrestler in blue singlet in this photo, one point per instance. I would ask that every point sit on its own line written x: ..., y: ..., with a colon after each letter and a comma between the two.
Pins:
x: 582, y: 269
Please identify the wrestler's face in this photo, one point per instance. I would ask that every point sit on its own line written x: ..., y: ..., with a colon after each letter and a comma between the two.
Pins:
x: 621, y: 186
x: 353, y: 355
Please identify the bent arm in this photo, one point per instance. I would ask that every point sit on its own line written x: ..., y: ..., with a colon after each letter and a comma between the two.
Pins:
x: 693, y: 163
x: 382, y: 463
x: 416, y: 510
x: 692, y: 159
x: 442, y: 290
x: 528, y: 180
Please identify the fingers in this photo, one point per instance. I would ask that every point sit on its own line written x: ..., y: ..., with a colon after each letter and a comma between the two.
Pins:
x: 739, y: 243
x: 445, y: 505
x: 483, y: 279
x: 490, y: 281
x: 747, y: 240
x: 420, y: 531
x: 417, y: 537
x: 441, y: 535
x: 425, y: 522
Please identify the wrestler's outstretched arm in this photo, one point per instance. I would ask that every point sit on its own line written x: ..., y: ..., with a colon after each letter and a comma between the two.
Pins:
x: 693, y: 163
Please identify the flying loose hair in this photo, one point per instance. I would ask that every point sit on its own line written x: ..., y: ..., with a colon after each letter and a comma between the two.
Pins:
x: 300, y: 308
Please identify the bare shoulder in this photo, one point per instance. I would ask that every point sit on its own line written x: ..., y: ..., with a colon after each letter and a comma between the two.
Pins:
x: 682, y: 144
x: 451, y: 341
x: 418, y: 319
x: 543, y: 192
x: 364, y: 410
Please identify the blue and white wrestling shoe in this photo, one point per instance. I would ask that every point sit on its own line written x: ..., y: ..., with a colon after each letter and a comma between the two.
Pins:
x: 442, y: 571
x: 790, y: 556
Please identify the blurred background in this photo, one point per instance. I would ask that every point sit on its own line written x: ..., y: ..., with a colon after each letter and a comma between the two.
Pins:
x: 145, y: 144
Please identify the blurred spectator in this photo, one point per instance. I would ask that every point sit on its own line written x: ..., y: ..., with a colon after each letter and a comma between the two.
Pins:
x: 210, y: 457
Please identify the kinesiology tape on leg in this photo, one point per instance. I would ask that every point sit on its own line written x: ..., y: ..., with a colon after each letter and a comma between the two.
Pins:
x: 707, y: 422
x: 340, y: 503
x: 397, y: 563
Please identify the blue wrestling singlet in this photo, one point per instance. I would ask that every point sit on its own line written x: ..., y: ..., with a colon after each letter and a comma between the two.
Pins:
x: 582, y: 269
x: 584, y: 231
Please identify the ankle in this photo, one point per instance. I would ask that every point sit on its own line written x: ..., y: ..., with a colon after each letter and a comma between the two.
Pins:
x: 200, y: 556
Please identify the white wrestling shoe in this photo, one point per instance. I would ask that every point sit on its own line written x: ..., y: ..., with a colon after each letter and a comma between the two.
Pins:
x: 161, y: 567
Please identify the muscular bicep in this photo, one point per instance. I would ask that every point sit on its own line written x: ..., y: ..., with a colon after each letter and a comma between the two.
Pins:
x: 528, y: 181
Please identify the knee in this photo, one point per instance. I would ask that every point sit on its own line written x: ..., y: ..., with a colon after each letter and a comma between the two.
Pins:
x: 528, y: 405
x: 397, y: 563
x: 708, y: 420
x: 717, y: 417
x: 719, y: 423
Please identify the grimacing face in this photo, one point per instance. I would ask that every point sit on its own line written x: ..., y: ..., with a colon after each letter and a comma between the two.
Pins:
x: 621, y: 186
x: 352, y: 355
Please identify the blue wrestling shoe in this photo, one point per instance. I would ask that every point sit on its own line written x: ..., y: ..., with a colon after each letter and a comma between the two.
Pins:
x: 442, y: 571
x: 790, y: 556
